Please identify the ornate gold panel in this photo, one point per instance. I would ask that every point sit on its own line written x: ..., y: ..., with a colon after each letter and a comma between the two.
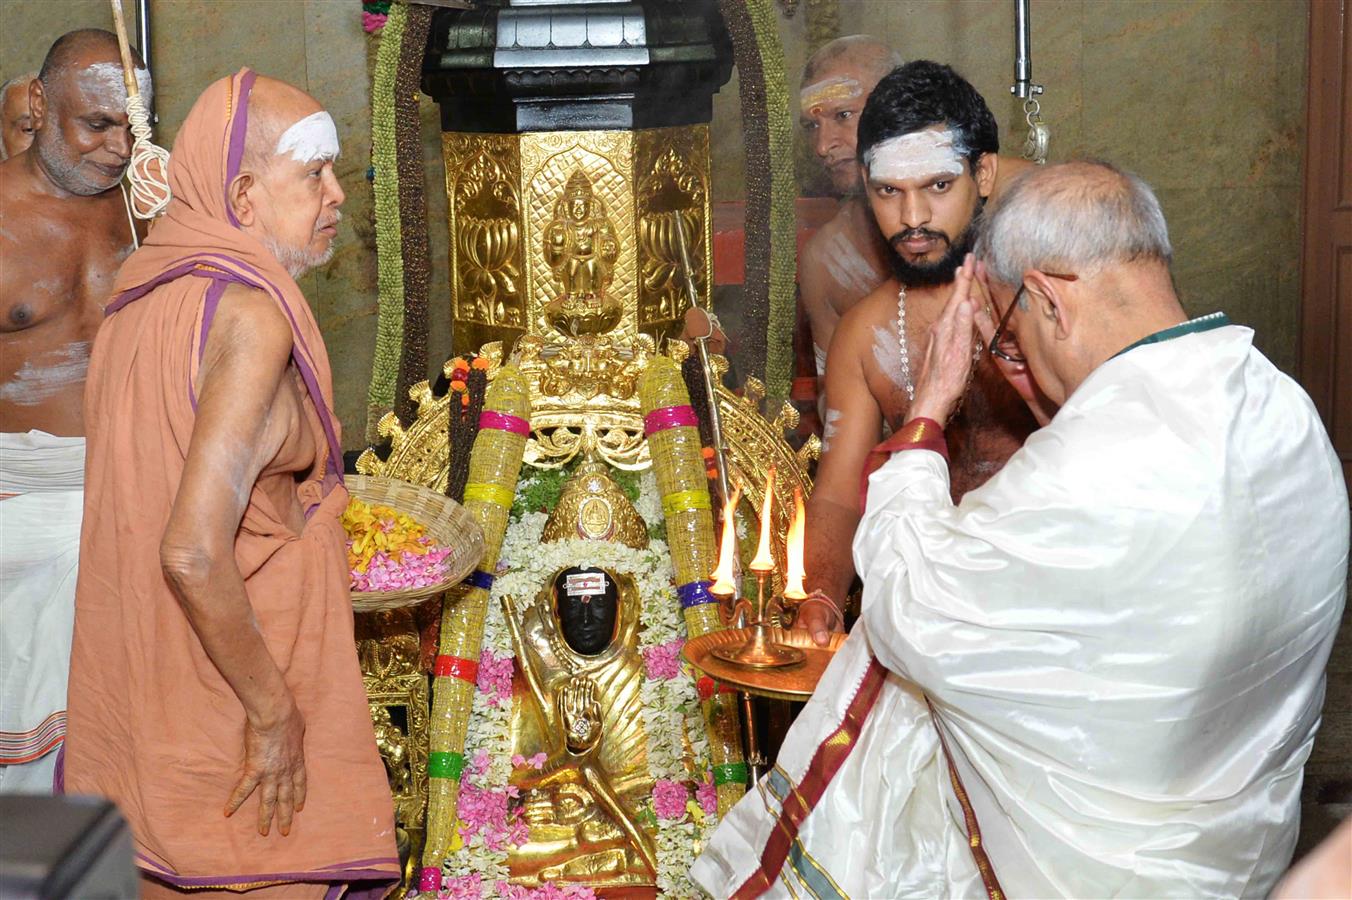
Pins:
x: 605, y: 160
x: 488, y: 257
x: 397, y: 692
x: 514, y: 249
x: 584, y: 397
x: 673, y: 172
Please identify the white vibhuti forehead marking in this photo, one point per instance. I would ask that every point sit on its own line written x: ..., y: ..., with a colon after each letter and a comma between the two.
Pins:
x: 107, y: 80
x: 313, y: 137
x: 829, y: 90
x: 920, y: 154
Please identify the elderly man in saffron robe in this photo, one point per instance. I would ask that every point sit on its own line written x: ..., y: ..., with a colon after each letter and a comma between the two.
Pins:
x: 1100, y: 674
x: 215, y: 694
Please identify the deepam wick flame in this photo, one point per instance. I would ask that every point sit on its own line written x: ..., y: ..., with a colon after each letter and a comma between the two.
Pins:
x: 793, y: 588
x: 725, y: 583
x: 765, y: 561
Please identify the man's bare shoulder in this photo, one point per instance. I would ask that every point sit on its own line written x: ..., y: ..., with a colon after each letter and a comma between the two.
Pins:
x: 879, y: 307
x: 253, y: 324
x: 15, y: 187
x: 818, y: 246
x: 1010, y: 168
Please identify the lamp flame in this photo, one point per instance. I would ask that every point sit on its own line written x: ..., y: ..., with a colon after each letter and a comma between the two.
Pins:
x: 765, y: 561
x: 725, y: 577
x: 793, y: 588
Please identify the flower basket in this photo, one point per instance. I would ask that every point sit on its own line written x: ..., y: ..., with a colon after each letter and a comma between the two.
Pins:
x: 447, y: 522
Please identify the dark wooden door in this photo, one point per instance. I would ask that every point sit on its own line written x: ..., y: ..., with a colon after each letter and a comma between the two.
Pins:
x: 1326, y: 294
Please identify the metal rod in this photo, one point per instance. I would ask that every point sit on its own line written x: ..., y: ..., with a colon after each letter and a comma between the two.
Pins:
x: 143, y: 45
x: 715, y: 418
x: 1023, y: 86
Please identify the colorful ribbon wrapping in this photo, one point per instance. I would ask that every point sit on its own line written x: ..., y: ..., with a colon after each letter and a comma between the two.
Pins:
x: 494, y: 465
x: 674, y: 443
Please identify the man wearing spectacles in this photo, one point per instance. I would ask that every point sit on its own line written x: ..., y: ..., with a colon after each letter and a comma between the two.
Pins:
x: 1101, y: 673
x: 927, y: 148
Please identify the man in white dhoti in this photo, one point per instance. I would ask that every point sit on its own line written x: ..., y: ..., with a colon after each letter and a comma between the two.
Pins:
x: 1101, y: 673
x: 41, y: 500
x: 65, y: 228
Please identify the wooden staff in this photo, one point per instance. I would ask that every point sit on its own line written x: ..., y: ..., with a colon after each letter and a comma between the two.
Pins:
x: 148, y: 172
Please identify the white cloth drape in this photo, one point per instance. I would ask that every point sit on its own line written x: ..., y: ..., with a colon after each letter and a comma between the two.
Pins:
x: 1124, y: 632
x: 39, y: 552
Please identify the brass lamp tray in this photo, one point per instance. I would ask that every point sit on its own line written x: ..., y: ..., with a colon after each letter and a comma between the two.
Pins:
x: 792, y: 682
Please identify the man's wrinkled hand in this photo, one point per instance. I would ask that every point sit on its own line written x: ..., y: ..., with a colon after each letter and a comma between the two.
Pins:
x: 274, y: 765
x: 946, y: 367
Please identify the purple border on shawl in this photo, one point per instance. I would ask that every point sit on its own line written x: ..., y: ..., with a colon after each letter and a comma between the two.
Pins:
x: 186, y: 266
x: 239, y: 127
x: 357, y: 870
x: 213, y: 300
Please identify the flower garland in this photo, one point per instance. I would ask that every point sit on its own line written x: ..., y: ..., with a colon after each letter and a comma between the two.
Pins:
x: 683, y: 805
x: 374, y: 13
x: 389, y: 242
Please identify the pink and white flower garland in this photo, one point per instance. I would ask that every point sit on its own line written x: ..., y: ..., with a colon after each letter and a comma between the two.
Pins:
x: 490, y: 808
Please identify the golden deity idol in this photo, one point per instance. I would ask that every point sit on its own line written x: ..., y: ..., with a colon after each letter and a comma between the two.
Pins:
x: 581, y: 248
x: 577, y: 650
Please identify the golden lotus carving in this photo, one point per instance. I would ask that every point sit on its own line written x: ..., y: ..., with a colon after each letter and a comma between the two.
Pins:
x: 483, y: 190
x: 673, y: 200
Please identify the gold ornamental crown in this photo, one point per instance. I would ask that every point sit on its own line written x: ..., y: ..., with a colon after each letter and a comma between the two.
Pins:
x: 593, y: 508
x: 579, y: 185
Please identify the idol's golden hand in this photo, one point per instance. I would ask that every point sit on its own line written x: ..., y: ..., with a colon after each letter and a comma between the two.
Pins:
x: 580, y: 713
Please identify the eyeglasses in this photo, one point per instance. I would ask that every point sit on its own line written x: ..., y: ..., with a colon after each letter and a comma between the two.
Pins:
x: 1003, y: 344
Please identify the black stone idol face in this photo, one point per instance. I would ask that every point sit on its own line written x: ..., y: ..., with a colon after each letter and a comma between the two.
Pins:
x: 587, y: 602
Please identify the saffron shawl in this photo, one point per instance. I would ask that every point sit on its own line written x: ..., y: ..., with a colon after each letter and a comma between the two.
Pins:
x: 153, y: 725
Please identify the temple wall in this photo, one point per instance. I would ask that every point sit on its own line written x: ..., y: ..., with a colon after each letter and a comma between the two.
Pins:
x: 1203, y: 98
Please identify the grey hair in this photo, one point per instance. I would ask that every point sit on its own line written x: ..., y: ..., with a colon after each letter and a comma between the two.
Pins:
x: 869, y: 53
x: 1072, y: 217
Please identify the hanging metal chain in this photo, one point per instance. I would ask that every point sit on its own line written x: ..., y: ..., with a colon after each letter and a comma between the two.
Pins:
x: 1039, y: 135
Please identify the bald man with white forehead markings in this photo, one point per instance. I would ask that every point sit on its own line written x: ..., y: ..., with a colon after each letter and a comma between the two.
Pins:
x: 65, y: 228
x: 213, y: 573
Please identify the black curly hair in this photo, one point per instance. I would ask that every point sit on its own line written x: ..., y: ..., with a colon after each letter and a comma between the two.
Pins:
x: 920, y: 94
